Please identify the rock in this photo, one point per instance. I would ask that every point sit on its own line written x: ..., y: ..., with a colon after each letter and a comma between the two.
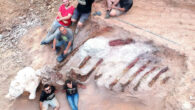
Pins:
x: 1, y: 37
x: 49, y: 7
x: 31, y: 1
x: 187, y: 106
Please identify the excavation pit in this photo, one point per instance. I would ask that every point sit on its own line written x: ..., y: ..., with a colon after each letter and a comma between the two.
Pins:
x: 122, y: 70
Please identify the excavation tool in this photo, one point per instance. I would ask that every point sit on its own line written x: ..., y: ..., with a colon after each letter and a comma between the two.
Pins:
x: 124, y: 71
x: 118, y: 42
x: 86, y: 59
x: 143, y: 77
x: 157, y: 76
x: 142, y: 68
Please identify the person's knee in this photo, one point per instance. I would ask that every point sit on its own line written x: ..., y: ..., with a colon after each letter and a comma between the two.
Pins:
x: 80, y: 24
x: 57, y: 107
x: 44, y: 108
x: 73, y: 20
x: 113, y: 13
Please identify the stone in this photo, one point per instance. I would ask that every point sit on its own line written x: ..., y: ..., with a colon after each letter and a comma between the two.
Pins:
x: 1, y: 37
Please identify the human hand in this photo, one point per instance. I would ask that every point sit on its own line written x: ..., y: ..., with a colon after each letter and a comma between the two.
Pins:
x: 65, y: 52
x: 65, y: 22
x: 83, y: 87
x: 58, y: 19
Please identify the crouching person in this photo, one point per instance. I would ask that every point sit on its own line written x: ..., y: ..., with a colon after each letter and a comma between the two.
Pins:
x: 63, y: 19
x: 48, y: 98
x: 63, y: 40
x: 72, y: 93
x: 118, y: 7
x: 82, y: 13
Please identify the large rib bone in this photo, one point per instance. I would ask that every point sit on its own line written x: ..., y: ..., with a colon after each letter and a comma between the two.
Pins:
x: 87, y: 58
x: 124, y: 71
x: 157, y: 76
x: 118, y: 42
x: 135, y: 74
x: 143, y: 77
x: 83, y: 78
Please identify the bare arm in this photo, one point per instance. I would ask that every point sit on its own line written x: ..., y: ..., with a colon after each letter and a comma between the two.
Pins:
x: 66, y: 50
x: 118, y: 8
x: 54, y: 44
x: 121, y: 9
x: 116, y: 2
x: 41, y: 105
x: 59, y: 14
x: 65, y: 17
x: 94, y: 6
x: 81, y: 86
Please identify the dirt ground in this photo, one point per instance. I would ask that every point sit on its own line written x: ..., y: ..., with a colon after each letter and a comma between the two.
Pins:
x: 167, y: 23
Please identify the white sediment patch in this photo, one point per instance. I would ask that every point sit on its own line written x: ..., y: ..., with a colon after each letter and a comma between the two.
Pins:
x: 96, y: 47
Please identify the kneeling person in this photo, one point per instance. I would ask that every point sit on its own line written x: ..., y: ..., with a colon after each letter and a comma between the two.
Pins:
x: 48, y: 98
x: 65, y: 38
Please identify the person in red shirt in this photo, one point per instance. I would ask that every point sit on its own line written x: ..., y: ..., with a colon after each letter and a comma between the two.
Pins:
x: 63, y: 19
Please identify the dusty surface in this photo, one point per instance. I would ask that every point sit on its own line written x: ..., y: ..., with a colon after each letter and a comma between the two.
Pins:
x: 172, y: 22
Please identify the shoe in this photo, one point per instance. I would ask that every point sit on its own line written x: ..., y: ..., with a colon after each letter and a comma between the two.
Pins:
x: 98, y: 13
x: 61, y: 57
x: 43, y: 43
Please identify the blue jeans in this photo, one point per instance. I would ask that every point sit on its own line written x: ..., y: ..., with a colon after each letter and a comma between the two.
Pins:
x: 73, y: 101
x: 53, y: 32
x: 60, y: 45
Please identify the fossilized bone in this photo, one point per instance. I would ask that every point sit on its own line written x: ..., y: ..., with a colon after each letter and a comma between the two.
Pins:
x: 85, y: 60
x: 165, y: 80
x: 143, y: 77
x: 142, y: 68
x: 118, y: 42
x: 25, y: 80
x: 157, y: 76
x: 83, y: 78
x: 124, y: 71
x: 49, y: 76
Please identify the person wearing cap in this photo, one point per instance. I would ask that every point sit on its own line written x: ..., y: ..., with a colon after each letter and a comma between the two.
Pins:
x: 48, y: 97
x: 118, y: 7
x: 82, y: 13
x: 63, y: 19
x: 64, y: 38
